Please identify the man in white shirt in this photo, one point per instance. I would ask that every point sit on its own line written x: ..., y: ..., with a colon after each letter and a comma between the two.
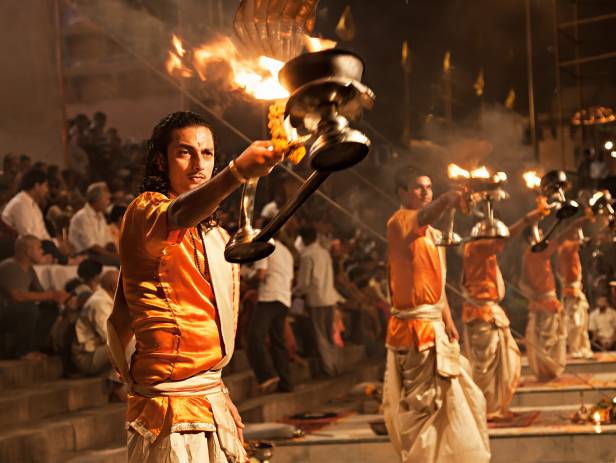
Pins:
x: 602, y: 324
x: 275, y: 274
x: 23, y: 212
x: 89, y: 231
x: 89, y: 347
x: 315, y: 281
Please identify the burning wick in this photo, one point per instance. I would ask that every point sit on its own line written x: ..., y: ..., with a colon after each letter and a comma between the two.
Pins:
x: 532, y: 180
x: 596, y: 417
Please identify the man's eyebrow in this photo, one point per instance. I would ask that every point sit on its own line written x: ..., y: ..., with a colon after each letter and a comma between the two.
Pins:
x: 186, y: 145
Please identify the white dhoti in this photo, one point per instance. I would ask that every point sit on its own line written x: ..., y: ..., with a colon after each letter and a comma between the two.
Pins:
x: 546, y: 343
x: 576, y: 312
x: 186, y: 443
x: 433, y: 411
x: 495, y: 360
x: 200, y: 447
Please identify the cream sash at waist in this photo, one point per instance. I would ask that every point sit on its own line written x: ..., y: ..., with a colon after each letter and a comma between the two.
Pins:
x: 429, y: 312
x: 206, y: 383
x: 209, y: 384
x: 447, y: 352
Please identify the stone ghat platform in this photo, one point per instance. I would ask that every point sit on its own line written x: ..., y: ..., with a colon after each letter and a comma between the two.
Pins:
x: 601, y: 362
x: 550, y: 438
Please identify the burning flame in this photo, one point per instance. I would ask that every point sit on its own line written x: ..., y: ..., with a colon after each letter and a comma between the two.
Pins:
x: 257, y: 77
x: 596, y: 418
x: 455, y: 171
x: 480, y: 172
x: 314, y: 44
x: 532, y: 180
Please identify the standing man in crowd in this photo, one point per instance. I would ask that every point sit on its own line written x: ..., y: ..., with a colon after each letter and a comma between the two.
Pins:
x: 315, y: 282
x: 275, y: 275
x: 433, y: 410
x: 180, y: 298
x: 88, y: 230
x: 491, y: 349
x: 574, y: 302
x: 21, y: 293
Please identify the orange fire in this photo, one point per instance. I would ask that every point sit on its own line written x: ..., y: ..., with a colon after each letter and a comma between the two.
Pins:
x: 480, y: 172
x: 257, y: 77
x: 455, y: 171
x: 532, y: 180
x: 314, y: 44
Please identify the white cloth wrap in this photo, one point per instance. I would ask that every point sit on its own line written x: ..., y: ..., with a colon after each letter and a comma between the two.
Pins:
x: 208, y: 384
x: 494, y: 357
x: 576, y: 311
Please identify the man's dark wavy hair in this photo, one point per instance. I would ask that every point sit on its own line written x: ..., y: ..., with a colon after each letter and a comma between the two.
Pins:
x: 154, y: 179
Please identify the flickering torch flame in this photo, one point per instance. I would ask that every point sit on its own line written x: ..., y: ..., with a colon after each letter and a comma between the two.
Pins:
x: 596, y: 418
x: 314, y: 44
x: 480, y: 172
x: 258, y: 77
x: 532, y: 180
x: 456, y: 172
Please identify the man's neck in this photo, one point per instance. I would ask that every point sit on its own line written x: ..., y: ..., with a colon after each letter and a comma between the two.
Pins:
x: 31, y: 195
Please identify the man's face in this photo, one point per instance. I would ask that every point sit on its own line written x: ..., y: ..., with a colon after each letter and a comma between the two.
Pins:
x: 103, y: 202
x: 41, y: 191
x: 418, y: 193
x: 190, y: 156
x: 602, y: 303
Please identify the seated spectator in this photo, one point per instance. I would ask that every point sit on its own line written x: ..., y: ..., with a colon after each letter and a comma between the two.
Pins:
x: 89, y: 347
x: 602, y: 324
x: 89, y: 231
x: 10, y: 171
x: 275, y: 275
x: 20, y: 294
x: 25, y: 163
x: 23, y: 212
x: 80, y: 289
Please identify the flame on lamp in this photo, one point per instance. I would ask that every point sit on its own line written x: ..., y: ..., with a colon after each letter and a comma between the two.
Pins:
x: 455, y: 171
x: 314, y: 44
x: 532, y: 180
x: 258, y: 77
x: 480, y: 172
x: 596, y: 418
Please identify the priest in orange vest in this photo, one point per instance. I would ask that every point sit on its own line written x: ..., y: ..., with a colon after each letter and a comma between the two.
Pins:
x: 546, y: 330
x: 433, y: 410
x: 179, y: 298
x: 489, y: 345
x: 573, y: 299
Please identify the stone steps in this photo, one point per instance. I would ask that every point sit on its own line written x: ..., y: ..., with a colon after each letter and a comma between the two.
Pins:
x: 307, y: 396
x: 604, y: 362
x: 566, y: 391
x: 24, y: 373
x: 50, y: 440
x: 52, y: 398
x: 112, y: 454
x: 352, y: 440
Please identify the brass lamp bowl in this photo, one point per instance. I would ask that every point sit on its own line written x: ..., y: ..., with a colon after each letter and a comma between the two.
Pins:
x: 553, y: 185
x: 326, y: 92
